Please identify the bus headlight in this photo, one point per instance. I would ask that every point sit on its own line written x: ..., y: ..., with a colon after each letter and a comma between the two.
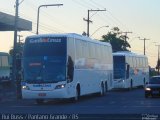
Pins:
x: 60, y: 86
x: 148, y: 89
x: 25, y: 87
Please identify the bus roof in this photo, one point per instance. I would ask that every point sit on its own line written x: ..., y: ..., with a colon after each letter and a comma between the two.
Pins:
x: 70, y: 35
x: 127, y: 53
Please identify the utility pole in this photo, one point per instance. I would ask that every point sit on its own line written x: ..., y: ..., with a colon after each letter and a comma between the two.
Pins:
x: 158, y: 62
x: 19, y: 38
x: 88, y: 19
x: 14, y: 62
x: 126, y: 35
x: 144, y: 45
x: 15, y: 42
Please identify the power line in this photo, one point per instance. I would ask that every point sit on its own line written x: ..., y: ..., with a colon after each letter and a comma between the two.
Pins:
x: 80, y: 4
x: 115, y: 18
x: 42, y: 25
x: 97, y: 3
x: 93, y: 5
x: 99, y: 15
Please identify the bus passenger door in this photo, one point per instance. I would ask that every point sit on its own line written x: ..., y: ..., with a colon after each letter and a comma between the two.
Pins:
x: 127, y: 70
x: 70, y: 69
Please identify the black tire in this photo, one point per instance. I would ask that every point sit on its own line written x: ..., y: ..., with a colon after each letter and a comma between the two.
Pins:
x: 146, y: 96
x: 102, y: 92
x: 131, y: 85
x: 144, y: 81
x: 39, y: 101
x: 77, y: 96
x: 106, y: 87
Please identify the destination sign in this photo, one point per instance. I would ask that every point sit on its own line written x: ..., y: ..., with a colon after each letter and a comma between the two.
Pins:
x: 45, y: 40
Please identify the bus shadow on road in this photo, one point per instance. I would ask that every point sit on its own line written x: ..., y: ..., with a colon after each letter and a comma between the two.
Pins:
x: 153, y: 97
x: 82, y: 99
x: 126, y: 89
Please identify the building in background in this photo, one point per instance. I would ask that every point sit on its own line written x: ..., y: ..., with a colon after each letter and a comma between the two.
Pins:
x: 5, y: 64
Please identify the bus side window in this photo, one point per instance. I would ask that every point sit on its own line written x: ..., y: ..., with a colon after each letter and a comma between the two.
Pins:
x: 70, y: 69
x: 127, y: 71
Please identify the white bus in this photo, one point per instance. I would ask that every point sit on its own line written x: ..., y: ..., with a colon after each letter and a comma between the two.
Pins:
x: 130, y: 69
x: 65, y: 66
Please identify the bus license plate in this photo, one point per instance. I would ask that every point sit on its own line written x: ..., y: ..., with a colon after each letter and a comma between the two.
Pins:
x: 42, y: 94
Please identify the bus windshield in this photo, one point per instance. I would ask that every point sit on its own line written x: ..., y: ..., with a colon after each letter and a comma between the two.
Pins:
x: 119, y: 67
x: 44, y: 60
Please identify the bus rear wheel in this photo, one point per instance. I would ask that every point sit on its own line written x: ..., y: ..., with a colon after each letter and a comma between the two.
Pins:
x: 106, y: 87
x: 102, y: 92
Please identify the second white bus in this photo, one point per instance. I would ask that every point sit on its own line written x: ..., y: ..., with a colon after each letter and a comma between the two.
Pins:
x: 130, y: 69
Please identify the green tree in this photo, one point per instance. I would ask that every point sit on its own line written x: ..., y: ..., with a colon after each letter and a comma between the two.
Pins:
x: 152, y: 71
x: 117, y: 40
x: 18, y: 55
x: 18, y: 50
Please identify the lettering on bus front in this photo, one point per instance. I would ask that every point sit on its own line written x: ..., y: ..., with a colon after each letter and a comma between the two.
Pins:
x: 45, y: 40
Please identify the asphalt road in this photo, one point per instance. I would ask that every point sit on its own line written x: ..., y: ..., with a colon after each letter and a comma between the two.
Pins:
x: 115, y: 102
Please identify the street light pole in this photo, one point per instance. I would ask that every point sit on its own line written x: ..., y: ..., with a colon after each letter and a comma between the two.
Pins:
x: 97, y: 30
x: 39, y: 11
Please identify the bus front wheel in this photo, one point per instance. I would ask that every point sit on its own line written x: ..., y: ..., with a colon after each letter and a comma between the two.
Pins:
x: 77, y: 95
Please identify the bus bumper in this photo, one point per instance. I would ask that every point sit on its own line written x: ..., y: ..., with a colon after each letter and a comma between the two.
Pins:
x: 57, y: 94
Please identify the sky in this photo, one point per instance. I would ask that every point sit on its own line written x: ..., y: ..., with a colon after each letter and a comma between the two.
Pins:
x: 141, y: 17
